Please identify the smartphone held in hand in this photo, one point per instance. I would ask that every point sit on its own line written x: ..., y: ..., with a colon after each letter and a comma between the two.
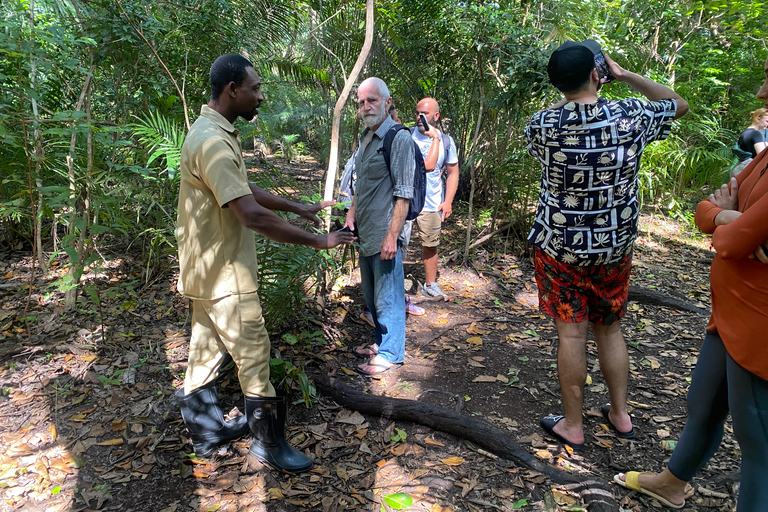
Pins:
x: 603, y: 70
x: 424, y: 123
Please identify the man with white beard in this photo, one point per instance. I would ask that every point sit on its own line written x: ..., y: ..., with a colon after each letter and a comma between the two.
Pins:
x: 379, y: 207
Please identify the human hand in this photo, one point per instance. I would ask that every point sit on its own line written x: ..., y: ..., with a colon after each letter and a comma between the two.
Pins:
x: 617, y: 71
x: 334, y: 239
x: 725, y: 198
x: 388, y: 248
x: 349, y: 222
x: 446, y: 209
x: 309, y: 211
x: 432, y: 132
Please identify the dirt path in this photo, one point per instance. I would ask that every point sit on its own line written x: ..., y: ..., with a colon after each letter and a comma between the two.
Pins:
x: 89, y: 424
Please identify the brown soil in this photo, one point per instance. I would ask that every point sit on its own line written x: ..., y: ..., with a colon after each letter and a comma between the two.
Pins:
x: 92, y: 424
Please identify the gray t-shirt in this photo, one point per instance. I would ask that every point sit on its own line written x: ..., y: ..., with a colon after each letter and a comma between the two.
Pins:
x: 377, y: 187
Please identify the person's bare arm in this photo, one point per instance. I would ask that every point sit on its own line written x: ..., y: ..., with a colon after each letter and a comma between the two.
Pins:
x: 272, y: 202
x: 254, y: 216
x: 759, y: 146
x: 654, y: 91
x: 350, y: 220
x: 430, y: 162
x: 451, y: 184
x: 389, y: 245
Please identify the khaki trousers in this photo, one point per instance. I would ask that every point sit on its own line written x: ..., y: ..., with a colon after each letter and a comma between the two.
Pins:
x: 232, y: 324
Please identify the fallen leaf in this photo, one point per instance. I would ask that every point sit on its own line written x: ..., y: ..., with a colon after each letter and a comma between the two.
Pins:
x: 432, y: 442
x: 653, y: 362
x: 475, y: 340
x: 399, y: 450
x: 111, y: 442
x: 474, y: 329
x: 484, y: 378
x: 350, y: 417
x: 562, y: 498
x: 453, y: 461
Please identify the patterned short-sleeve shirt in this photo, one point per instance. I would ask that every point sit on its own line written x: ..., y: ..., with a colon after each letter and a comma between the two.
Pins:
x: 590, y: 155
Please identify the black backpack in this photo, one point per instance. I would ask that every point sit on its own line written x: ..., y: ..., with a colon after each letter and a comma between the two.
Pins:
x: 419, y: 175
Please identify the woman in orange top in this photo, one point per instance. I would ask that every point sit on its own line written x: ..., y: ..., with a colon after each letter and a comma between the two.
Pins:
x: 731, y: 374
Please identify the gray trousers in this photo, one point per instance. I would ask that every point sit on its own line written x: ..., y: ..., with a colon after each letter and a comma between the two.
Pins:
x: 719, y: 386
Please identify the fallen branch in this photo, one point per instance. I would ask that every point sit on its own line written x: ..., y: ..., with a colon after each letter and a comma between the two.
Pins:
x: 478, y: 431
x: 655, y: 298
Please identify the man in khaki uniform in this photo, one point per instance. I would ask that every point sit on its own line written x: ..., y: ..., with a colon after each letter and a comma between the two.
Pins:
x: 218, y: 212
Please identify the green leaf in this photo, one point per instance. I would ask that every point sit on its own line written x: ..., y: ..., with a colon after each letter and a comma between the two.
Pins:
x: 398, y: 501
x: 523, y: 358
x: 520, y: 504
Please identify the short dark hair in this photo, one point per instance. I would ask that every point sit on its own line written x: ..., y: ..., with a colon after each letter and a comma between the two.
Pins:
x: 227, y: 68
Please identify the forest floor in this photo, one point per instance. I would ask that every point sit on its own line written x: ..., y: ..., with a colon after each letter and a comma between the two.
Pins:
x: 90, y: 422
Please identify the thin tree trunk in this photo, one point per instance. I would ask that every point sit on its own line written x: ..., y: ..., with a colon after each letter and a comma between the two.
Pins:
x: 333, y: 160
x: 38, y: 148
x: 476, y: 164
x: 81, y: 199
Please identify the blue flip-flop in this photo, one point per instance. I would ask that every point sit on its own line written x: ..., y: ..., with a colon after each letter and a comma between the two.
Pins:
x: 548, y: 424
x: 605, y: 409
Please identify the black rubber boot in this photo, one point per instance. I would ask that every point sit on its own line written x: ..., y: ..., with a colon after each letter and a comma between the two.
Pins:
x: 203, y: 417
x: 266, y: 418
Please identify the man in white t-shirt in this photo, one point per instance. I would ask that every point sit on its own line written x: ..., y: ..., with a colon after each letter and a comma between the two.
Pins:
x: 438, y: 159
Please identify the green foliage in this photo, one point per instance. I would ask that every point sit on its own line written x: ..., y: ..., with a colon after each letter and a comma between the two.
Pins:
x: 163, y: 139
x: 397, y: 501
x: 399, y: 435
x: 91, y: 122
x: 284, y: 375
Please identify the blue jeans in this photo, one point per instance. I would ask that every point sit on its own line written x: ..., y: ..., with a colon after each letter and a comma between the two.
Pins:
x: 719, y: 386
x: 383, y: 284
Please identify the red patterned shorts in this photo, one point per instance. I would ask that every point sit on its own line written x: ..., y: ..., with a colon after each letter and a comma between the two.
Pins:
x: 576, y: 294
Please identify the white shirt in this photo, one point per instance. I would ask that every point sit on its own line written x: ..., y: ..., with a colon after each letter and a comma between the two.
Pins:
x: 434, y: 180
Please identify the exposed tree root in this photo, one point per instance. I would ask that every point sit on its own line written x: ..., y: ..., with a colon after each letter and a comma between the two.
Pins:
x: 655, y: 298
x: 595, y: 494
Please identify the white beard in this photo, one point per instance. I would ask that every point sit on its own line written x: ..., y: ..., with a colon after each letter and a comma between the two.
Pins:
x: 375, y: 118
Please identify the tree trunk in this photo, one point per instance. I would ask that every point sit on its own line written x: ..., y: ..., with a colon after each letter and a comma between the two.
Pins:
x: 38, y: 147
x: 473, y: 167
x: 333, y: 160
x: 79, y: 195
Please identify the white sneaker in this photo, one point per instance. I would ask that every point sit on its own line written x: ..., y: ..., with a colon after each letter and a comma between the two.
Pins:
x: 433, y: 290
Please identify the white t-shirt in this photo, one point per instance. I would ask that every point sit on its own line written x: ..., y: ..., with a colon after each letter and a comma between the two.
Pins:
x: 434, y: 181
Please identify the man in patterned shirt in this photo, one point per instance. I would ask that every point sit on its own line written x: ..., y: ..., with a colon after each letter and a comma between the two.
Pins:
x: 586, y: 221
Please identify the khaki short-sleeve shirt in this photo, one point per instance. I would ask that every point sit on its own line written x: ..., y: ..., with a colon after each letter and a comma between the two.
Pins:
x: 217, y: 254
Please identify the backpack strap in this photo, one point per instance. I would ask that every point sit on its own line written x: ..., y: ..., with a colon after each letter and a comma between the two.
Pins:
x: 446, y: 147
x: 386, y: 145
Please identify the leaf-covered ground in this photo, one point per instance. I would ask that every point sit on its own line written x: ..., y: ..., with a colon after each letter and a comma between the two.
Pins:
x: 89, y: 421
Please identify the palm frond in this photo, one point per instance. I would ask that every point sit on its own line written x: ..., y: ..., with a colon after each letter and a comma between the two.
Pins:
x: 163, y: 138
